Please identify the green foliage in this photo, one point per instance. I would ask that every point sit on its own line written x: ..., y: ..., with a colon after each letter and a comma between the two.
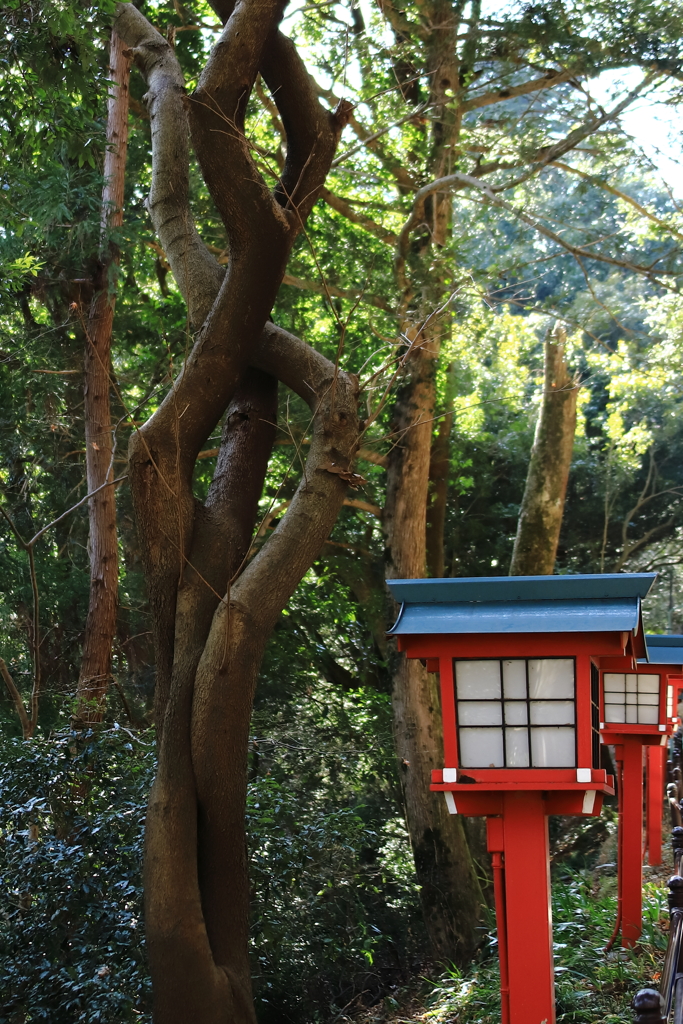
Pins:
x: 335, y: 901
x: 334, y: 895
x: 72, y: 813
x: 592, y: 987
x: 330, y: 858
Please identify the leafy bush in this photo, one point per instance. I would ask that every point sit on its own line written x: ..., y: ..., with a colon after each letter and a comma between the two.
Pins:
x: 71, y: 819
x: 591, y: 987
x: 336, y: 909
x: 334, y: 891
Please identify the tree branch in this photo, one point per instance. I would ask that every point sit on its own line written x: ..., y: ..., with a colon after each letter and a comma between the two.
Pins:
x: 26, y: 726
x: 551, y: 78
x: 342, y: 293
x: 458, y: 181
x: 344, y: 207
x: 600, y: 183
x: 312, y: 132
x: 195, y: 270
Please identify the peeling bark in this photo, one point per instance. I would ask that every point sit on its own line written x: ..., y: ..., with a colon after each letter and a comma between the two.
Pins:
x: 540, y: 517
x: 100, y: 627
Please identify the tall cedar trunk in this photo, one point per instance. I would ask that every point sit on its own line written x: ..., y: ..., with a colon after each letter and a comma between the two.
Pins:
x: 212, y: 608
x: 439, y: 465
x: 540, y: 517
x: 100, y: 625
x: 450, y: 892
x: 436, y: 513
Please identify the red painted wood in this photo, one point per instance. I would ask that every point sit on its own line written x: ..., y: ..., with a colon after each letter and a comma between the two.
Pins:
x: 584, y: 738
x: 527, y: 905
x: 648, y: 735
x: 627, y: 664
x: 478, y: 804
x: 572, y: 803
x: 450, y: 741
x: 631, y: 859
x: 512, y: 645
x: 654, y: 800
x: 524, y: 778
x: 495, y: 836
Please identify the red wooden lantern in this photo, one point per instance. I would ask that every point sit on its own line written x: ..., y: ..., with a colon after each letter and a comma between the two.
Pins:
x: 664, y: 656
x: 636, y: 716
x: 518, y: 659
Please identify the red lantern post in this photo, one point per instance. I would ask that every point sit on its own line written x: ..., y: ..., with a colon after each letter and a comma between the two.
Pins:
x: 637, y: 718
x: 518, y: 660
x: 665, y: 656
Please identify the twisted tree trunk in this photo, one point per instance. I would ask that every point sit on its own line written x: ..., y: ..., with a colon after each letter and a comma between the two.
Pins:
x: 100, y: 625
x: 540, y: 517
x: 212, y: 610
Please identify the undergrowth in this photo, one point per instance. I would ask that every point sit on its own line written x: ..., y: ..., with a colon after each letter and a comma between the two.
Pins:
x: 592, y: 987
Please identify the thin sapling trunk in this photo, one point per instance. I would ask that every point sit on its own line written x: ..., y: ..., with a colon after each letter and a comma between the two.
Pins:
x: 100, y: 625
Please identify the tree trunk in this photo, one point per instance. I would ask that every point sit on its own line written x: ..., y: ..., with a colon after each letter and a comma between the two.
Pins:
x: 540, y: 517
x: 439, y: 466
x: 100, y: 625
x: 450, y: 892
x: 213, y: 609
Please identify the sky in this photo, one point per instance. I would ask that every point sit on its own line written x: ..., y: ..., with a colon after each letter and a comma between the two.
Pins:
x: 654, y: 127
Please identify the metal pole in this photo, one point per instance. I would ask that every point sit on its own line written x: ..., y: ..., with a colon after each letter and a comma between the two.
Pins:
x: 677, y: 845
x: 649, y: 1007
x: 501, y: 920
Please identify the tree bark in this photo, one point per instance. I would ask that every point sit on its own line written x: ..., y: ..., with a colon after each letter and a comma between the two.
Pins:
x: 540, y: 517
x: 450, y: 893
x: 439, y: 466
x: 212, y: 609
x: 100, y: 625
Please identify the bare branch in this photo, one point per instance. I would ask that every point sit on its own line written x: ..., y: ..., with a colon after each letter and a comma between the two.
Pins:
x: 551, y: 78
x: 87, y: 497
x: 345, y: 208
x: 364, y: 506
x: 400, y: 24
x: 606, y: 187
x: 342, y: 293
x: 458, y: 181
x: 369, y: 138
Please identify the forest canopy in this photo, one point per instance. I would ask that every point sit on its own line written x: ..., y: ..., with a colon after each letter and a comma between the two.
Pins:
x: 376, y: 279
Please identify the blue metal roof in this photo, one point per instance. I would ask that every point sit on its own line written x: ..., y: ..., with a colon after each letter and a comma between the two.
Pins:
x: 664, y: 649
x: 522, y: 588
x: 519, y: 617
x: 521, y: 604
